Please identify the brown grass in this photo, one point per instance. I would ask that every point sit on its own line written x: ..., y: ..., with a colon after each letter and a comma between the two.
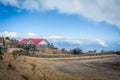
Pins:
x: 24, y: 68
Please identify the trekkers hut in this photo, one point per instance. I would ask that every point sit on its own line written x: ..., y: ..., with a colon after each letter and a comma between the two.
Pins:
x: 36, y: 44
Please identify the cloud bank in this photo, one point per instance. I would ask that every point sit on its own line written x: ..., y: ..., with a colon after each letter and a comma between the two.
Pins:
x: 95, y: 10
x: 61, y: 42
x: 53, y: 39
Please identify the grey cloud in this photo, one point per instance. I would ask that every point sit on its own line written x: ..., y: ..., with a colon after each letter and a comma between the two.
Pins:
x: 95, y: 10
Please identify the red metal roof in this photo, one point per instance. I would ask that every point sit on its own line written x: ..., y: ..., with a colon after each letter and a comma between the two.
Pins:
x: 24, y: 41
x: 36, y: 41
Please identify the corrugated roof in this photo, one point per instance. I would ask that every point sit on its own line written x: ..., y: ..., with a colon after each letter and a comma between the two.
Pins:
x: 35, y: 41
x: 24, y: 41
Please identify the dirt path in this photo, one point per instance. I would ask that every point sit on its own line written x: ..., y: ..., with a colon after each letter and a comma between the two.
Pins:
x: 108, y: 67
x: 76, y: 58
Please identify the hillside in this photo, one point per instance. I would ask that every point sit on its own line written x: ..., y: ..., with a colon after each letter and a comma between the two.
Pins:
x: 27, y: 68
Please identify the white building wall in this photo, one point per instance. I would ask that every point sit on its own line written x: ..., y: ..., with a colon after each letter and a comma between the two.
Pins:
x: 29, y: 42
x: 43, y: 42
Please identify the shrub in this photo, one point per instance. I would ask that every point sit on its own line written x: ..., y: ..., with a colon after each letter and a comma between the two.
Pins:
x: 8, y: 38
x: 118, y: 52
x: 76, y: 51
x: 63, y: 50
x: 1, y: 57
x: 11, y: 66
x: 33, y: 66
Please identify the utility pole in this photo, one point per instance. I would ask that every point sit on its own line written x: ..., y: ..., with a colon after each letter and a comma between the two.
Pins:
x: 3, y: 39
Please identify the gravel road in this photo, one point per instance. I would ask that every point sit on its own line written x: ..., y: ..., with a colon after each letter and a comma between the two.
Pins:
x: 108, y: 67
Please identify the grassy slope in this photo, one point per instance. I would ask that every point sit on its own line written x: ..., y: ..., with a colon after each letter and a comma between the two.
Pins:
x: 24, y: 68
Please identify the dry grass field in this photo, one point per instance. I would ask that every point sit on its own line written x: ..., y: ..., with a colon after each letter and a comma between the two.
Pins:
x: 27, y: 68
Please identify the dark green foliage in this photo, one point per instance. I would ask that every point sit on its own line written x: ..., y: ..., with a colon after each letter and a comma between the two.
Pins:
x: 76, y: 51
x: 118, y: 52
x: 7, y: 38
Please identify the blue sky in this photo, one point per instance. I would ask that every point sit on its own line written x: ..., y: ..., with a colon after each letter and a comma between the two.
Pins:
x: 78, y: 19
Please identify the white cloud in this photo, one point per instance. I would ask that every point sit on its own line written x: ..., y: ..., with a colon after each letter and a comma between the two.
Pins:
x: 74, y: 41
x: 10, y: 2
x: 101, y: 42
x: 30, y: 35
x: 62, y: 39
x: 55, y: 37
x: 96, y: 10
x: 17, y: 35
x: 8, y: 34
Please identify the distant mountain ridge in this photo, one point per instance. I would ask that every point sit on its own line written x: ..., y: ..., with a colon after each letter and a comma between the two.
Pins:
x: 88, y: 46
